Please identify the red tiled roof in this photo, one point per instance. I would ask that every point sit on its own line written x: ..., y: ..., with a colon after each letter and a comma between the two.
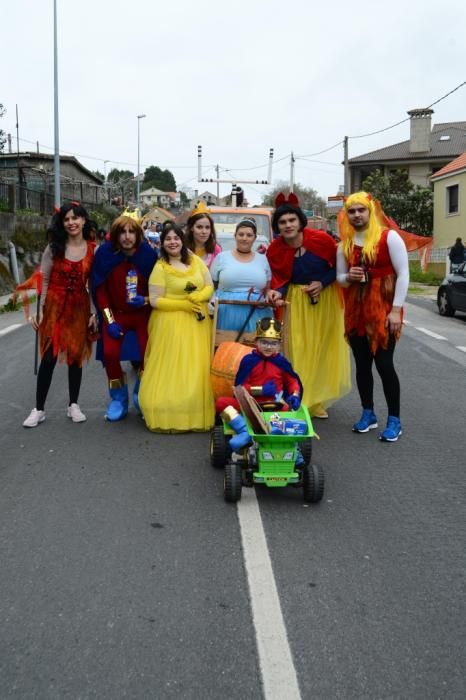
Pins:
x: 457, y: 164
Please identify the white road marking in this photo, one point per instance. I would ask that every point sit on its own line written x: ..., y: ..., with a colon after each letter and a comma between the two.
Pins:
x: 431, y: 333
x: 276, y: 662
x: 461, y: 347
x: 8, y: 329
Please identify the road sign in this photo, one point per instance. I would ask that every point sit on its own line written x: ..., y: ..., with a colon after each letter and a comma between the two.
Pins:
x: 309, y: 212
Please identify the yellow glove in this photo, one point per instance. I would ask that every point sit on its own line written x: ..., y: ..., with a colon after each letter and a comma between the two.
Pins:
x: 202, y: 294
x: 165, y: 304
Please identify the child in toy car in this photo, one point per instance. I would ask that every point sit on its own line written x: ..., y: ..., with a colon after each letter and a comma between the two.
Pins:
x: 267, y: 375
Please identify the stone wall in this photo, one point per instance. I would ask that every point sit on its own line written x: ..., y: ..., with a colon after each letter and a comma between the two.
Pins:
x: 28, y: 234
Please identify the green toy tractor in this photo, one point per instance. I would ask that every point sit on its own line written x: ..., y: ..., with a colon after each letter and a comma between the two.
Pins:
x: 274, y: 460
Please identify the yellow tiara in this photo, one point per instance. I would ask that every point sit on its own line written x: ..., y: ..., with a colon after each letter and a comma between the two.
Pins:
x: 269, y: 328
x: 200, y: 208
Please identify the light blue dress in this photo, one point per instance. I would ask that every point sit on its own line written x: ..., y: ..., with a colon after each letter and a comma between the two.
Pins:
x: 243, y: 281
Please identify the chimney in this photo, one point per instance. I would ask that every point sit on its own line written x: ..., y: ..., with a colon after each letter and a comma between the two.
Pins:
x: 419, y: 138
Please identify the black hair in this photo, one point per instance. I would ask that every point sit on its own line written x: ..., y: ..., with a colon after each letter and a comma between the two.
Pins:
x: 288, y: 209
x: 56, y: 233
x: 185, y: 253
x: 167, y: 225
x: 247, y: 223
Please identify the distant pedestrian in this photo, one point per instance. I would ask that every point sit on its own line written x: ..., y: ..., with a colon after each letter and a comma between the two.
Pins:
x: 66, y: 321
x: 456, y: 255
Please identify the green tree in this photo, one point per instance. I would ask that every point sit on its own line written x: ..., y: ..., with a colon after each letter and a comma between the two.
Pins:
x: 2, y: 133
x: 308, y: 197
x: 184, y: 199
x: 117, y: 176
x: 121, y: 184
x: 160, y: 179
x: 411, y: 206
x: 98, y: 174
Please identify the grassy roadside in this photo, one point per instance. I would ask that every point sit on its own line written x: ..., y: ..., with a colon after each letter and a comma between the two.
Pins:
x: 17, y: 306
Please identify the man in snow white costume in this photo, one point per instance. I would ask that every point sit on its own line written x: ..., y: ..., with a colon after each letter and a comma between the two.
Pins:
x: 125, y: 259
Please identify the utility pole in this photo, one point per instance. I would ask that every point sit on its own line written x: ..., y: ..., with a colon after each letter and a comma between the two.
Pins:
x: 217, y: 170
x: 20, y: 194
x: 346, y: 167
x: 106, y: 191
x: 292, y: 160
x: 138, y: 183
x: 56, y: 159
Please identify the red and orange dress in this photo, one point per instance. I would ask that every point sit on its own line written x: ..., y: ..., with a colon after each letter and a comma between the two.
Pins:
x: 368, y: 305
x: 66, y: 307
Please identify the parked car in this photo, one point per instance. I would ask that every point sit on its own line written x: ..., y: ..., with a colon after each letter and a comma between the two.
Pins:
x: 451, y: 295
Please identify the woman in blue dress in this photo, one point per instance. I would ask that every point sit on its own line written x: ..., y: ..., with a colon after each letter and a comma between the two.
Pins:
x: 241, y: 274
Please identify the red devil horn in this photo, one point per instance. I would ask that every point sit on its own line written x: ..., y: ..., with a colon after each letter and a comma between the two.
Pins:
x: 56, y: 209
x: 75, y: 204
x: 280, y: 199
x: 293, y: 200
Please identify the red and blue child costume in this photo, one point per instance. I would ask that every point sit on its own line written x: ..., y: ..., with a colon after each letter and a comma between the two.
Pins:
x: 265, y: 378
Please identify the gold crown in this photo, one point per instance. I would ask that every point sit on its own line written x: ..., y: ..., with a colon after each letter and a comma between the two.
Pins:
x: 269, y: 328
x: 200, y: 208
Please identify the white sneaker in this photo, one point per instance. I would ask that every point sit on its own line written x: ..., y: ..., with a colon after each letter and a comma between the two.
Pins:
x: 34, y: 418
x: 75, y: 413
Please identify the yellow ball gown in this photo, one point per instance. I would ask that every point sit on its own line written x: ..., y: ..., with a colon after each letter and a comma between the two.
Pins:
x: 175, y: 393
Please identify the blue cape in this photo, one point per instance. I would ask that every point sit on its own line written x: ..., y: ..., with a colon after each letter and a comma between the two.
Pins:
x: 106, y: 259
x: 250, y: 361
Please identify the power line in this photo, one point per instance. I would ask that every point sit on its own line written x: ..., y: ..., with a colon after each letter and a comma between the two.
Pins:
x: 321, y: 162
x: 114, y: 162
x: 257, y: 167
x: 387, y: 128
x: 318, y: 153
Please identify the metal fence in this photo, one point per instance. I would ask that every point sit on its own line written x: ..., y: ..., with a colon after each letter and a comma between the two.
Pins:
x: 14, y: 197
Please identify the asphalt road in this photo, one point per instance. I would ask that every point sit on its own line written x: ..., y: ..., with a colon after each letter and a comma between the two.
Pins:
x: 122, y: 569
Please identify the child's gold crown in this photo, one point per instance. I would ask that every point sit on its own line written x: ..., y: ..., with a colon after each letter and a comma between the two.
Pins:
x: 269, y: 328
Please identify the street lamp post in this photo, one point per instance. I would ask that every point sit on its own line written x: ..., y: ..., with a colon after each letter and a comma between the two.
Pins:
x: 138, y: 184
x: 105, y: 180
x: 56, y: 158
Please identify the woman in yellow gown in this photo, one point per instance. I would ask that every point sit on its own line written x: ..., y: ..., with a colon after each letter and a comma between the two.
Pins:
x: 175, y: 393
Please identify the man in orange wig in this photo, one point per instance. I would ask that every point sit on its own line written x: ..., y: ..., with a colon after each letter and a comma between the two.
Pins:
x: 372, y: 268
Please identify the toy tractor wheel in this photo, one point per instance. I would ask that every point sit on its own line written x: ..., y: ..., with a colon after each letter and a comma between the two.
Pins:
x: 232, y: 483
x: 313, y: 483
x: 218, y: 447
x: 306, y: 450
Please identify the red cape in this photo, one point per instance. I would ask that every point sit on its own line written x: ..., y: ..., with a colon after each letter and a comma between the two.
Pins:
x: 280, y: 255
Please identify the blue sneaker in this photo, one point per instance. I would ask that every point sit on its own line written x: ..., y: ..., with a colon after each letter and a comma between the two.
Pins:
x: 368, y: 421
x: 393, y: 430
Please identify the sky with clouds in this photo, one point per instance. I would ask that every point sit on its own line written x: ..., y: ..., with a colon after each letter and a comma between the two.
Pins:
x: 237, y: 78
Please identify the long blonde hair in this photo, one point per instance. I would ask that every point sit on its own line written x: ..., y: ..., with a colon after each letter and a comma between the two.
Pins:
x: 374, y: 229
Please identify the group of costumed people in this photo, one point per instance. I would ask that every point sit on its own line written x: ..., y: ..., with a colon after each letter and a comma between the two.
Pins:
x: 152, y: 307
